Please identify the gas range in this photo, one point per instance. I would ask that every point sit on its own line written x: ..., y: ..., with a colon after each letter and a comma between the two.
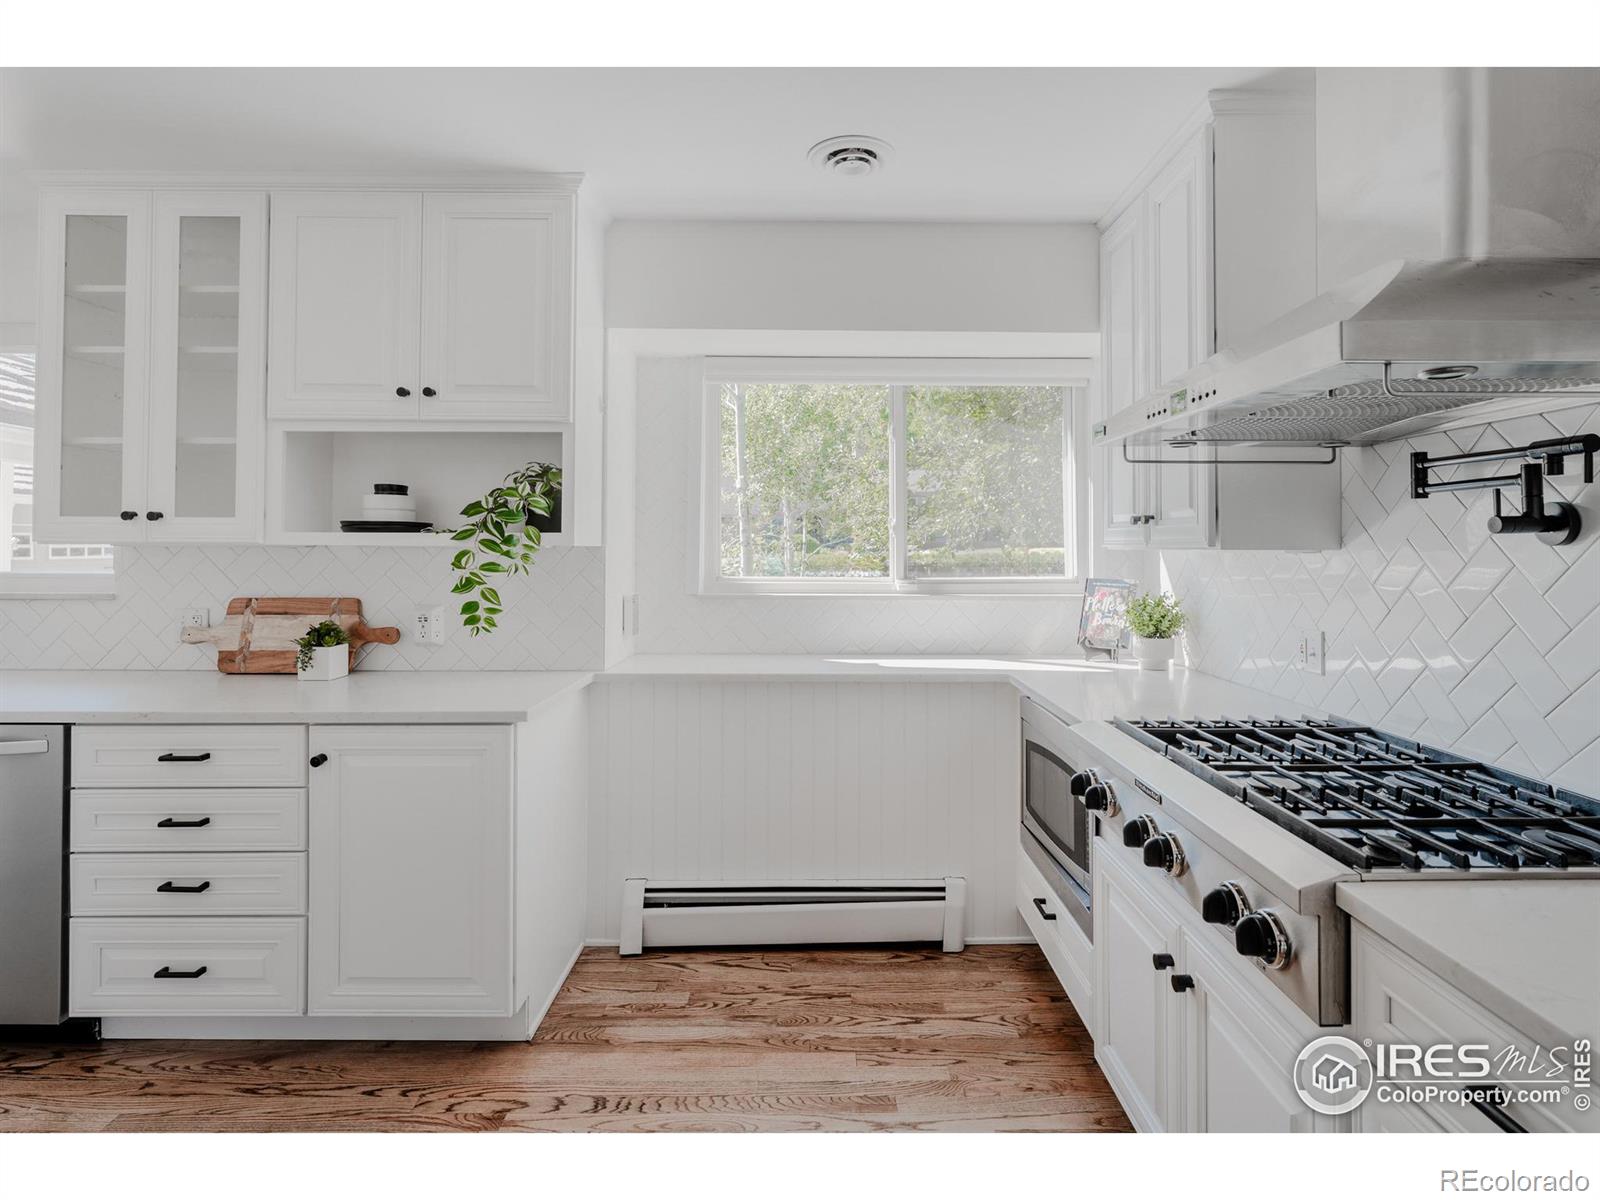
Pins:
x: 1253, y: 823
x: 1385, y: 804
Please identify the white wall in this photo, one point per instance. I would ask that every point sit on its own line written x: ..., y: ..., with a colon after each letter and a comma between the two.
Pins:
x: 793, y: 781
x: 1486, y: 645
x: 852, y: 275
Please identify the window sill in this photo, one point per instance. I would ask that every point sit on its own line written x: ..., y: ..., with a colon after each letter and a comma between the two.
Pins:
x: 45, y: 586
x: 1013, y: 589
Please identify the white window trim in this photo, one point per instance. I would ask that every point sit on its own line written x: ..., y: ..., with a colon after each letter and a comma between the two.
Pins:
x: 1072, y: 374
x: 54, y: 585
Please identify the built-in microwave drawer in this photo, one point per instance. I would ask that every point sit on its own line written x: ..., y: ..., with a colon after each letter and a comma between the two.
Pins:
x: 188, y: 819
x: 149, y: 885
x: 184, y: 756
x: 194, y: 966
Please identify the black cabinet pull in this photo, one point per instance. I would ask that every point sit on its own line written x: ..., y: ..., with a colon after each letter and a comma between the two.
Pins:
x: 1488, y: 1100
x: 201, y: 757
x: 318, y: 759
x: 1182, y: 983
x: 402, y: 392
x: 128, y: 514
x: 169, y: 886
x: 153, y: 516
x: 173, y: 823
x: 1038, y: 902
x: 429, y: 392
x: 1162, y: 962
x: 169, y: 973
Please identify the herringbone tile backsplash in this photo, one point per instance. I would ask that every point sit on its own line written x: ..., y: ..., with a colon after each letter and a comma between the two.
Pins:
x: 552, y: 619
x: 1486, y: 645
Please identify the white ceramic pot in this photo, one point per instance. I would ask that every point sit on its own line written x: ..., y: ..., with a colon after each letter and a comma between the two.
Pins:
x: 327, y: 662
x: 1154, y: 654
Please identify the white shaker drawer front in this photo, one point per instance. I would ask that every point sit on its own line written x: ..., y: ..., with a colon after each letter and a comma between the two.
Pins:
x: 165, y: 885
x: 189, y: 756
x: 200, y: 966
x: 185, y: 819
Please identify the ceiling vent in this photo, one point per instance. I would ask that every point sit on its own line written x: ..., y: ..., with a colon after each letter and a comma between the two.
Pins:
x: 851, y: 154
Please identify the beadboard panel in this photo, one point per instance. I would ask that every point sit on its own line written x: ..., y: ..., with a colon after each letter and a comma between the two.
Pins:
x: 675, y: 619
x: 552, y: 618
x: 1436, y: 629
x: 785, y: 781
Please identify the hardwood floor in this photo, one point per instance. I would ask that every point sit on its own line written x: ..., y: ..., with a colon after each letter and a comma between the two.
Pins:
x: 862, y: 1039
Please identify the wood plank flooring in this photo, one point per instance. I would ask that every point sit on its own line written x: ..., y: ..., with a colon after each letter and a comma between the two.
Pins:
x: 857, y: 1039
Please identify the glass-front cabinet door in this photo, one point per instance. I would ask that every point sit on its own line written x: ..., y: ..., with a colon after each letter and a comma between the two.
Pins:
x: 206, y: 361
x: 92, y: 366
x: 151, y: 359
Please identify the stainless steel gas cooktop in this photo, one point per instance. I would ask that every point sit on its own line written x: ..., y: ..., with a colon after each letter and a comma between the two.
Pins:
x: 1380, y: 803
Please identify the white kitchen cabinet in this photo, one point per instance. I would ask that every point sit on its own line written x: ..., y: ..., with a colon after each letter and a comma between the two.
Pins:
x: 497, y: 277
x: 1137, y: 1044
x: 346, y: 296
x: 440, y: 306
x: 150, y: 360
x: 1123, y: 371
x: 1237, y: 1054
x: 411, y: 886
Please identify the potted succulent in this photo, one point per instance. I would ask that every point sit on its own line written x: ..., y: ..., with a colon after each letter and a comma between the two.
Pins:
x: 1155, y: 619
x: 506, y: 527
x: 324, y: 652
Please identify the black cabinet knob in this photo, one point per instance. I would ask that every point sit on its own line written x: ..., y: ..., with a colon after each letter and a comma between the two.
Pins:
x: 402, y: 392
x: 1182, y: 983
x: 429, y: 392
x: 318, y: 759
x: 1162, y: 962
x: 128, y: 514
x: 153, y: 516
x: 1137, y: 832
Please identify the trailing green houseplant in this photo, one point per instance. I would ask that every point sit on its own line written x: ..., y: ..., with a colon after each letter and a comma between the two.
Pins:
x: 504, y: 538
x: 1155, y: 619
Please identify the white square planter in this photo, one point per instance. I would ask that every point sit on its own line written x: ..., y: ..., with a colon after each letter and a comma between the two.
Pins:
x: 327, y: 662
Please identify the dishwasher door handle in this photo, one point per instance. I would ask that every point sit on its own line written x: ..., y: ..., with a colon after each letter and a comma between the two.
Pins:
x: 30, y: 746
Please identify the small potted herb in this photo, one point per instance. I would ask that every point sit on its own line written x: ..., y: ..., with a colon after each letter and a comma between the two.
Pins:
x: 324, y: 652
x: 1155, y: 620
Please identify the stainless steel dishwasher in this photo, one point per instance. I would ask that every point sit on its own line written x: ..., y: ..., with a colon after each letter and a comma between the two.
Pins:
x: 33, y: 824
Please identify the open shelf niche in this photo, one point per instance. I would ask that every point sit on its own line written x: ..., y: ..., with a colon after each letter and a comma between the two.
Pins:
x: 317, y: 477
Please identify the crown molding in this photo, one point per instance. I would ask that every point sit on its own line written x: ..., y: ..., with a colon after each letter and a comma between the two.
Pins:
x: 566, y: 182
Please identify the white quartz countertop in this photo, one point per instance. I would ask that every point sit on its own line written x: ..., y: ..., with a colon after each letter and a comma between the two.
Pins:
x: 210, y: 697
x: 1074, y: 688
x: 1528, y: 950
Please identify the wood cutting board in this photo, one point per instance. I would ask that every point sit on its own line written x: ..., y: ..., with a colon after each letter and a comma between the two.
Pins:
x: 259, y: 633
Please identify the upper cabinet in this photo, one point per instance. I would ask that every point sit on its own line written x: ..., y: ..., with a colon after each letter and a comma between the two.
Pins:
x: 151, y: 357
x: 1215, y: 240
x: 438, y: 306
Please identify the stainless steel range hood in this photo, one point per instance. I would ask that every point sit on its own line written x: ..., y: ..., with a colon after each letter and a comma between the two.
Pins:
x: 1395, y: 351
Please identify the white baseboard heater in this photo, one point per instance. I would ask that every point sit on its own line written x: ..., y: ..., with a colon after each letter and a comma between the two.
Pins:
x: 659, y: 913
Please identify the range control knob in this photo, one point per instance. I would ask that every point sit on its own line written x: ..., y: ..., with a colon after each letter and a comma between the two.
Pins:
x: 1261, y: 935
x: 1138, y: 831
x: 1102, y: 797
x: 1081, y: 782
x: 1224, y: 904
x: 1163, y: 851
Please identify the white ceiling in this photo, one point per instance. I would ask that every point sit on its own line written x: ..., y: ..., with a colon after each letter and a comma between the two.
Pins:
x: 971, y: 144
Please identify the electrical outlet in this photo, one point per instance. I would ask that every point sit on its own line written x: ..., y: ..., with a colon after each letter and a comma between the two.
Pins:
x: 421, y: 625
x: 1311, y: 654
x: 630, y: 614
x: 194, y: 618
x: 437, y: 628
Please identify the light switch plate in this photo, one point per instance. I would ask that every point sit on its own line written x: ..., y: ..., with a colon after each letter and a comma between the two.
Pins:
x: 1311, y: 654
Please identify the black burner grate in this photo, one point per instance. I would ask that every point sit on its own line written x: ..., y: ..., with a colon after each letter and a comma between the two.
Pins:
x: 1373, y: 800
